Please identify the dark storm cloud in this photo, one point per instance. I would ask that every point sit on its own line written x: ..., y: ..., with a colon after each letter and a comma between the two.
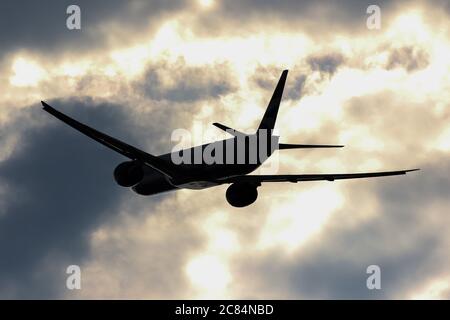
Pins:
x: 41, y: 25
x: 59, y: 187
x: 407, y: 239
x: 187, y: 83
x: 349, y: 9
x: 410, y: 58
x: 317, y: 17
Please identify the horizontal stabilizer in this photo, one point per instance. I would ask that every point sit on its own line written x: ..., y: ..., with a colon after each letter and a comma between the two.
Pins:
x: 228, y: 129
x: 283, y: 146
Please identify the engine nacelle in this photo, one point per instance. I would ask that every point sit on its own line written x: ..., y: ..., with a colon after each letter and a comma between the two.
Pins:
x: 241, y: 194
x: 128, y: 174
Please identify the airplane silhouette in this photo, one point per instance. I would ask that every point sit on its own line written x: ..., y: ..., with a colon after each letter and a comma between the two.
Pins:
x: 234, y: 159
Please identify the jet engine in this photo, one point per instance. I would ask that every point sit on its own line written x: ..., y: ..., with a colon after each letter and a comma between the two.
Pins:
x: 128, y: 174
x: 241, y: 194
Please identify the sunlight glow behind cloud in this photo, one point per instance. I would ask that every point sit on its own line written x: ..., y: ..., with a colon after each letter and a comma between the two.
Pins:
x: 26, y: 73
x: 209, y: 275
x: 299, y: 218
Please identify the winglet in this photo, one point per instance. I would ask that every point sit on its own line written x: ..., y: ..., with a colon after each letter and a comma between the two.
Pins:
x: 45, y: 105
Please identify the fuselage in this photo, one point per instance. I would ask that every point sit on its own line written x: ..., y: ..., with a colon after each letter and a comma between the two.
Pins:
x: 206, y: 165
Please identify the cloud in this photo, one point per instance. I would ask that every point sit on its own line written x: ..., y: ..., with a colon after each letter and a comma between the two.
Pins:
x: 59, y: 204
x: 327, y: 63
x: 318, y: 19
x: 405, y: 235
x: 262, y: 79
x: 142, y: 252
x: 410, y: 58
x: 58, y: 188
x: 179, y: 82
x: 301, y: 81
x: 41, y: 26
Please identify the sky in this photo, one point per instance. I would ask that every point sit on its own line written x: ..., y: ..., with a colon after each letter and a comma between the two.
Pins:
x: 138, y: 70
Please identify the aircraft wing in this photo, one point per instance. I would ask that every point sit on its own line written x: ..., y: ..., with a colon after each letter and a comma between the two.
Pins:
x: 127, y: 150
x: 312, y: 177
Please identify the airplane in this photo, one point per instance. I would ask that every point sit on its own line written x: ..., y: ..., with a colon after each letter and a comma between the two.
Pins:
x: 148, y: 174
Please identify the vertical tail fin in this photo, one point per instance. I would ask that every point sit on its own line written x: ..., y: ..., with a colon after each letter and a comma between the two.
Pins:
x: 270, y: 116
